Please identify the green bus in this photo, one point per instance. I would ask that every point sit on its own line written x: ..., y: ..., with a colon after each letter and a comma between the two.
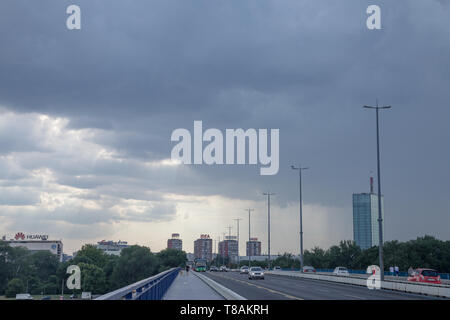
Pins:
x: 200, y: 265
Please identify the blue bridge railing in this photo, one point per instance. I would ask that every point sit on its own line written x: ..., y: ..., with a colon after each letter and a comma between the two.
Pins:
x: 152, y: 288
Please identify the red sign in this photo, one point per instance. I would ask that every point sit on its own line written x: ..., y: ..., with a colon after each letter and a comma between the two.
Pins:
x: 19, y: 236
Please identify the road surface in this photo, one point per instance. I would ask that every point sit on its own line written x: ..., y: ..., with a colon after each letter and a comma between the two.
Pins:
x: 275, y: 287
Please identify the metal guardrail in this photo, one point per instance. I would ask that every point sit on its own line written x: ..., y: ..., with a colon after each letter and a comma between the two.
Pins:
x: 431, y: 289
x: 152, y: 288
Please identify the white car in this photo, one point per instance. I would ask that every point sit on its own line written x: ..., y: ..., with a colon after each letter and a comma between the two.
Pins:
x: 256, y: 273
x: 244, y: 269
x: 23, y: 296
x: 340, y: 271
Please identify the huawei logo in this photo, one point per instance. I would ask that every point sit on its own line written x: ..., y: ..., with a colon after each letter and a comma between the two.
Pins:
x: 19, y: 236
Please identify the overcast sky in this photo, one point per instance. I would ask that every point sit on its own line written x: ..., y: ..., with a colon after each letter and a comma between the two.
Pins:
x: 86, y: 117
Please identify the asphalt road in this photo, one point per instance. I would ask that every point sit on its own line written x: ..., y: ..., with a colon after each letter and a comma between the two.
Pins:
x: 275, y: 287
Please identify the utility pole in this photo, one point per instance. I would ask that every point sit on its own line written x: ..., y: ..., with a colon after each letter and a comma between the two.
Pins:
x: 299, y: 168
x: 238, y: 257
x: 249, y: 242
x: 380, y: 217
x: 229, y: 231
x: 268, y: 194
x: 223, y: 245
x: 228, y: 246
x: 217, y: 256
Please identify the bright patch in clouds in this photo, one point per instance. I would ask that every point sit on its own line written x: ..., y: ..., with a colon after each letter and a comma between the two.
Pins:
x: 62, y: 182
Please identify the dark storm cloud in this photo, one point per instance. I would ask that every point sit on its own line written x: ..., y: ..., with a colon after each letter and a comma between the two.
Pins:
x: 139, y: 69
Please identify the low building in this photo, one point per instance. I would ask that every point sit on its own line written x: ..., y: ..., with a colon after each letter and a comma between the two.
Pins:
x: 175, y: 242
x: 203, y: 248
x: 229, y: 248
x: 37, y: 242
x: 66, y: 257
x: 253, y: 247
x: 112, y: 247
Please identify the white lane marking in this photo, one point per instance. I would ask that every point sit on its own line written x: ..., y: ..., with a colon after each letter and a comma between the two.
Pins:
x: 264, y: 288
x: 356, y: 297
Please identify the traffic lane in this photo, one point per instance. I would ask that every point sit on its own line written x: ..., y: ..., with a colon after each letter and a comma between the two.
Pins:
x: 283, y: 286
x: 343, y: 291
x: 297, y: 288
x: 394, y: 278
x: 250, y: 291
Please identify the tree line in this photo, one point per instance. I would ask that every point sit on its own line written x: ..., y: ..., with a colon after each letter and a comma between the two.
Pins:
x: 23, y: 271
x: 426, y: 252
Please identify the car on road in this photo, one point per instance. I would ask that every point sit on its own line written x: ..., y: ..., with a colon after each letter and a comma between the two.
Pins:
x: 340, y: 271
x: 213, y: 269
x: 24, y: 296
x: 73, y: 296
x: 46, y: 298
x: 309, y: 269
x: 277, y: 268
x: 244, y: 269
x: 223, y: 269
x: 255, y: 273
x: 425, y: 275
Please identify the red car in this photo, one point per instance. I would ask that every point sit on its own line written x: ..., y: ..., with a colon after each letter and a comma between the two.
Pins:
x: 309, y: 269
x: 425, y: 275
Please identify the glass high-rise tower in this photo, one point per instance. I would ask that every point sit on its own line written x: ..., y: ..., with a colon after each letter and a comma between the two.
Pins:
x: 365, y: 219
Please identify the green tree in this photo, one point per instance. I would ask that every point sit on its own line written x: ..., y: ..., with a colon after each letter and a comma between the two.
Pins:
x: 135, y: 263
x: 45, y: 264
x: 91, y: 255
x: 92, y: 278
x: 286, y: 261
x: 109, y: 269
x: 6, y: 268
x: 315, y: 257
x: 171, y: 258
x: 14, y: 287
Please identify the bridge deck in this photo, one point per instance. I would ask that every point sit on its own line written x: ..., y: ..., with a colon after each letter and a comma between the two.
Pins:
x: 190, y: 287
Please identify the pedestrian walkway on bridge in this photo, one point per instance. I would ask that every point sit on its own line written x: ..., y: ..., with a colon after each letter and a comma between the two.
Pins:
x: 188, y: 286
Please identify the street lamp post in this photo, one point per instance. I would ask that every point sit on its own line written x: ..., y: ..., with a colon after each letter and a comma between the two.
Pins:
x: 238, y: 257
x: 217, y: 256
x: 268, y: 194
x: 299, y: 168
x: 228, y: 246
x: 380, y: 217
x: 249, y: 244
x: 223, y: 249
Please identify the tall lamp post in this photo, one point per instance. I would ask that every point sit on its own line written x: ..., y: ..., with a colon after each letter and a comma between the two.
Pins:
x: 249, y: 243
x: 238, y: 257
x: 380, y: 217
x: 228, y: 246
x: 299, y: 168
x: 223, y: 249
x: 268, y: 194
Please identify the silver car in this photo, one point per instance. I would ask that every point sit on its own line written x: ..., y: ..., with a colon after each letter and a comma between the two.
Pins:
x: 256, y: 273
